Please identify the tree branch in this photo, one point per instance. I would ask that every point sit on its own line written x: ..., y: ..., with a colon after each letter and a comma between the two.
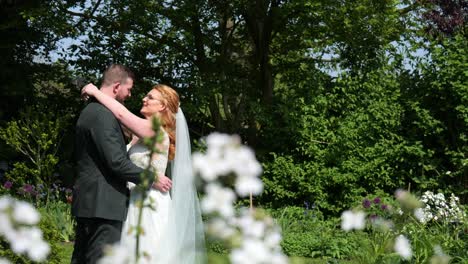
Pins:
x: 410, y: 8
x: 84, y: 16
x: 90, y: 15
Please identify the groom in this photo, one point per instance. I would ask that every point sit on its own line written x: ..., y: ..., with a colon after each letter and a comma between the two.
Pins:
x: 100, y: 195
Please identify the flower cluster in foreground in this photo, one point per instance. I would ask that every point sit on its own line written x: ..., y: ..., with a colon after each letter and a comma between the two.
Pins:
x: 117, y: 254
x: 225, y: 156
x: 403, y: 247
x: 254, y: 235
x: 18, y: 226
x: 353, y: 220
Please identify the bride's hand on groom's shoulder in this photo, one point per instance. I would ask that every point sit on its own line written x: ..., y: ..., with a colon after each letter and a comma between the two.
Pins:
x: 88, y: 90
x: 164, y: 184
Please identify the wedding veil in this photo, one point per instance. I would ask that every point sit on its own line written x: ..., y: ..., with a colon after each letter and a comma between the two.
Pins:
x: 184, y: 241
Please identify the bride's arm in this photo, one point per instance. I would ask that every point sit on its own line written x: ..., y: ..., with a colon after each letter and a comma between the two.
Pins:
x: 139, y: 126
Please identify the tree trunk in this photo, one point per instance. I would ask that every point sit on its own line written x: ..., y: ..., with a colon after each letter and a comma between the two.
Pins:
x: 259, y: 18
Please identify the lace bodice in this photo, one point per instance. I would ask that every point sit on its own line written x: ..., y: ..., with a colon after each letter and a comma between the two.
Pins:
x: 139, y: 155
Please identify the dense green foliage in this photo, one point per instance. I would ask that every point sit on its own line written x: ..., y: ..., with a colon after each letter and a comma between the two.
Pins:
x: 36, y: 135
x: 350, y: 136
x: 339, y: 99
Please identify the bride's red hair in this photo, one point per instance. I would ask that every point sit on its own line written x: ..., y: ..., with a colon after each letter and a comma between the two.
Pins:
x: 171, y: 101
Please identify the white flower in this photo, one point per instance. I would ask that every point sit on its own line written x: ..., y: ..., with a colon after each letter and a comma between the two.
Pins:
x: 278, y: 258
x: 352, y: 220
x: 20, y: 241
x: 382, y: 223
x: 218, y: 199
x: 250, y: 227
x: 225, y: 155
x: 251, y: 251
x: 239, y: 256
x: 402, y: 247
x: 218, y: 140
x: 246, y: 163
x: 419, y: 214
x: 116, y: 254
x: 429, y: 216
x: 259, y: 238
x: 39, y: 250
x: 245, y: 185
x: 206, y: 167
x: 438, y: 250
x: 5, y: 202
x: 273, y: 239
x: 29, y: 240
x: 25, y: 213
x: 6, y: 227
x: 220, y: 228
x: 4, y: 261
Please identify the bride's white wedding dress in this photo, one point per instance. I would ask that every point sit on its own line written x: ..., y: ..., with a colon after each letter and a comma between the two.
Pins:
x: 173, y: 232
x: 154, y: 220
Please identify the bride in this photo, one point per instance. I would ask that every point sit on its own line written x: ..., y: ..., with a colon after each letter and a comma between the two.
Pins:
x: 172, y: 228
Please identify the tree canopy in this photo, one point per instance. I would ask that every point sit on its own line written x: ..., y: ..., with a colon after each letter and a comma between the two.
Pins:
x: 338, y: 98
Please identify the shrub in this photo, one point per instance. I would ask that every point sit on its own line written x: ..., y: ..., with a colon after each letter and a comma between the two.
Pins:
x: 330, y: 243
x: 36, y: 135
x: 58, y: 215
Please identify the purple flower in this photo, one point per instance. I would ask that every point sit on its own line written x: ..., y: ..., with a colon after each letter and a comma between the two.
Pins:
x: 28, y: 188
x: 377, y: 200
x: 306, y: 204
x: 373, y: 217
x: 7, y: 185
x: 384, y: 207
x: 366, y: 203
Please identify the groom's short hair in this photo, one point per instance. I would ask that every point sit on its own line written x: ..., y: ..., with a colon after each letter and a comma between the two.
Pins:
x: 116, y: 73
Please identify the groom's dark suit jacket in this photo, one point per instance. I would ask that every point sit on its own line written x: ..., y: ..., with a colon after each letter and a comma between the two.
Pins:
x: 102, y: 166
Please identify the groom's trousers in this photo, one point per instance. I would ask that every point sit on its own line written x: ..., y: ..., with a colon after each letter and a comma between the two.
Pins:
x: 92, y: 235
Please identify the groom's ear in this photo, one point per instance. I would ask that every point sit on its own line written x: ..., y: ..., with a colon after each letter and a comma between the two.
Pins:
x: 115, y: 87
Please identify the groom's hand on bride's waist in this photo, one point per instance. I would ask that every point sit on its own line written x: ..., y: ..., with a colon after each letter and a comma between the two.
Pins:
x: 164, y: 184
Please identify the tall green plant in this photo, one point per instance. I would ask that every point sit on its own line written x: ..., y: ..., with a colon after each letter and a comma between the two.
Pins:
x: 36, y: 135
x: 58, y: 214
